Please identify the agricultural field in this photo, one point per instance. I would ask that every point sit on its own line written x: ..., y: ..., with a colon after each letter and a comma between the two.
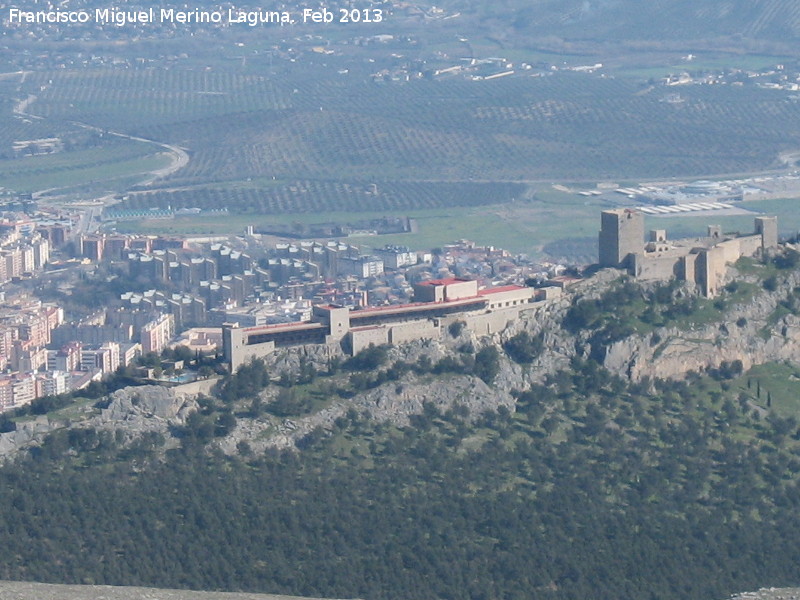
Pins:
x: 331, y: 196
x: 704, y: 62
x: 105, y: 164
x: 316, y: 125
x: 273, y: 128
x: 567, y: 127
x: 485, y: 225
x: 786, y: 209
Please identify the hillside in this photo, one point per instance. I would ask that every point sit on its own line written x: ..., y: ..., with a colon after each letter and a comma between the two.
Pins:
x: 516, y: 466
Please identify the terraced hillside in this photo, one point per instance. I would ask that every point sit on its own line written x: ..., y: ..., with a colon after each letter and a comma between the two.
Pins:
x: 565, y: 126
x: 282, y: 134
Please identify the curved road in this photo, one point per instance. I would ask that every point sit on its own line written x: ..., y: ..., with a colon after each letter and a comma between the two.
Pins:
x: 178, y: 156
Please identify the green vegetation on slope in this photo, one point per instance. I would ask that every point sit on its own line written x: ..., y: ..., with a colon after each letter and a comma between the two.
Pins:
x: 106, y: 164
x: 593, y: 489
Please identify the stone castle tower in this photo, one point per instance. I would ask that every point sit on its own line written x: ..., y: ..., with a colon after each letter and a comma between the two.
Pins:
x: 768, y: 228
x: 621, y: 234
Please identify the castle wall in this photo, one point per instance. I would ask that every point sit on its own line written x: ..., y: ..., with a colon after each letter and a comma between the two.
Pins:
x: 461, y: 289
x: 655, y: 267
x: 548, y: 293
x: 333, y: 324
x: 711, y: 270
x: 413, y: 330
x: 749, y: 245
x: 362, y: 337
x: 731, y: 249
x: 441, y: 290
x: 706, y: 266
x: 492, y: 322
x: 509, y: 298
x: 336, y: 318
x: 237, y: 352
x: 428, y: 293
x: 687, y: 270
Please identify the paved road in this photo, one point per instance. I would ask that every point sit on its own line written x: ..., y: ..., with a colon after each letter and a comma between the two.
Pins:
x: 178, y: 156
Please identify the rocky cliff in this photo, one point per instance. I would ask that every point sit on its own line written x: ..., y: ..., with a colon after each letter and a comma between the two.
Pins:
x: 130, y: 413
x: 754, y: 332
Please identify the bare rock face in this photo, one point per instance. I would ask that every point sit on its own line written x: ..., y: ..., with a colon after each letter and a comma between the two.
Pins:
x: 145, y: 407
x: 748, y: 334
x: 132, y: 411
x: 392, y: 402
x: 396, y: 403
x: 14, y: 590
x: 289, y: 359
x: 26, y: 433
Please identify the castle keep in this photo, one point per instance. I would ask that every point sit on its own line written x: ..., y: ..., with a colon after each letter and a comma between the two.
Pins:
x: 701, y: 260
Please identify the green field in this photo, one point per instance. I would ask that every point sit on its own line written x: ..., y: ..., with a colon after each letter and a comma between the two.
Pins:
x: 707, y: 62
x: 485, y: 225
x: 778, y: 382
x: 119, y: 159
x: 524, y: 226
x: 547, y: 223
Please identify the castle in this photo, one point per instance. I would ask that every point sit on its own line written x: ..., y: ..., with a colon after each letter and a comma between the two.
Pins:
x: 699, y: 260
x: 437, y: 304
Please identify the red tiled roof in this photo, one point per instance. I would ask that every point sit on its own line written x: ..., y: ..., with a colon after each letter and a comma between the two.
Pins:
x: 412, y: 306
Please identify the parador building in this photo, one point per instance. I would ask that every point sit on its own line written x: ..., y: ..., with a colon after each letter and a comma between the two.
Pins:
x: 437, y: 303
x: 701, y: 260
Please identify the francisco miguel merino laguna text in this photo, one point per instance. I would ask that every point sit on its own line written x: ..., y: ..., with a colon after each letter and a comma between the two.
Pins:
x: 121, y: 18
